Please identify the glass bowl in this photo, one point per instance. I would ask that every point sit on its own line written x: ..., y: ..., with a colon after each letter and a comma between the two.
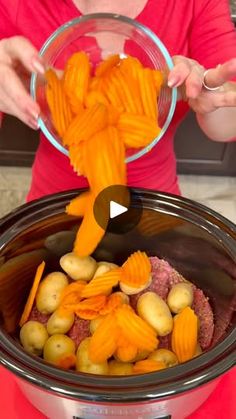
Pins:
x: 82, y: 34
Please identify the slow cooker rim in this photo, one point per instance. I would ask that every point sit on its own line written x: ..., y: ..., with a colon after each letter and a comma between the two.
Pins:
x: 86, y: 393
x: 209, y: 373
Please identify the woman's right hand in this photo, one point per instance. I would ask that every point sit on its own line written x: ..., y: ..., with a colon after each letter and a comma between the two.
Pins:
x: 18, y: 59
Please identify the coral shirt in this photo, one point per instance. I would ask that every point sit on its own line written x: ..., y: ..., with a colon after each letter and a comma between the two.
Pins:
x: 200, y: 29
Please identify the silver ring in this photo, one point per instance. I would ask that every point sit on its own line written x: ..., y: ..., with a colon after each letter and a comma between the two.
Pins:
x: 211, y: 89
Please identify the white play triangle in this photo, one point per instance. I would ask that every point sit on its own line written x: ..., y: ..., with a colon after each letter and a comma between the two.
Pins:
x: 116, y: 209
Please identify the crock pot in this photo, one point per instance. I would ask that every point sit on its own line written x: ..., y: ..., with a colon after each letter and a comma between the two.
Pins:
x: 198, y: 242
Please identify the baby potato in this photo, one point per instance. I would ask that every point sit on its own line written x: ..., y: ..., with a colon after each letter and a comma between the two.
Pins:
x: 120, y: 368
x: 180, y: 297
x: 127, y: 289
x: 33, y: 336
x: 78, y: 267
x: 83, y: 362
x: 141, y: 355
x: 60, y: 322
x: 164, y: 355
x: 103, y: 268
x: 155, y: 311
x: 56, y: 347
x: 49, y: 293
x: 94, y: 323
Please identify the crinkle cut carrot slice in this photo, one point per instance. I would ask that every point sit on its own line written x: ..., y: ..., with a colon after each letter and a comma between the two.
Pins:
x: 158, y: 78
x: 78, y: 205
x: 101, y: 285
x: 184, y: 334
x: 67, y: 361
x: 148, y: 93
x: 30, y: 300
x: 94, y: 97
x: 112, y: 302
x: 95, y: 303
x: 77, y: 75
x: 104, y: 340
x: 86, y: 124
x: 76, y: 155
x: 135, y: 329
x: 126, y: 350
x: 136, y: 270
x: 148, y: 365
x: 58, y: 103
x: 90, y: 233
x: 86, y: 313
x: 107, y: 64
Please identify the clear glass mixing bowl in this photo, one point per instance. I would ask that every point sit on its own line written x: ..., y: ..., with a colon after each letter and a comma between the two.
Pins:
x: 83, y: 34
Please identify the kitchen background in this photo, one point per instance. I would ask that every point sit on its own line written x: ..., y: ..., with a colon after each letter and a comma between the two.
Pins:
x: 207, y: 169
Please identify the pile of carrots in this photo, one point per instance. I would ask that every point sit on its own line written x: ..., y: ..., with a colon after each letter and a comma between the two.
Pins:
x: 98, y: 114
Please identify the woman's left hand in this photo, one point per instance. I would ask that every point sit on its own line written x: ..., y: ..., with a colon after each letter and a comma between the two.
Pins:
x: 188, y: 75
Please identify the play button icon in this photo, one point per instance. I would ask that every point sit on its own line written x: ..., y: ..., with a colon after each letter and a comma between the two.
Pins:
x: 118, y: 209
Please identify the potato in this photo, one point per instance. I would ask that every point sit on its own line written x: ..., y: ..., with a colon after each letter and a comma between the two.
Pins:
x: 56, y: 347
x: 93, y: 325
x: 103, y: 268
x: 127, y: 289
x: 141, y: 355
x: 155, y: 311
x: 60, y: 322
x: 83, y: 362
x: 120, y: 368
x: 164, y: 355
x: 179, y: 297
x: 78, y: 267
x: 49, y: 293
x: 33, y: 336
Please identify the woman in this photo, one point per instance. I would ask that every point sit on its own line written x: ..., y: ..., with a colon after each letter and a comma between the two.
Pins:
x: 199, y: 35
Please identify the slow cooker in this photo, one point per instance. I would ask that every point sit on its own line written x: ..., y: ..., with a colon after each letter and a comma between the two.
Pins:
x: 195, y: 240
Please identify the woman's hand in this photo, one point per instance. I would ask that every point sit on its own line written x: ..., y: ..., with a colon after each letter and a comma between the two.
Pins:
x: 18, y: 58
x: 212, y: 107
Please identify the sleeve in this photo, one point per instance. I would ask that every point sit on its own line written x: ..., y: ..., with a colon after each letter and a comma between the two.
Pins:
x: 213, y: 35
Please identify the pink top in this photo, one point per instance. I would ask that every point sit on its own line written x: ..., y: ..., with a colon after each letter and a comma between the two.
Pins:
x: 200, y: 29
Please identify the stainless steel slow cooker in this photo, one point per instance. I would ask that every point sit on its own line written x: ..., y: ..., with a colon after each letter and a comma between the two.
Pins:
x: 198, y: 242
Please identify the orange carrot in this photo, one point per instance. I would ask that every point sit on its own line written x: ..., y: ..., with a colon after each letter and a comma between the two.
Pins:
x: 158, y: 78
x: 76, y: 158
x: 58, y: 103
x: 86, y: 124
x: 126, y: 350
x: 136, y: 270
x: 71, y: 295
x: 78, y: 205
x: 135, y: 329
x: 137, y: 130
x: 184, y: 334
x: 106, y: 65
x: 112, y: 302
x: 94, y: 97
x: 148, y: 365
x: 76, y: 76
x: 67, y: 361
x: 89, y: 235
x: 101, y: 285
x: 104, y: 340
x: 32, y: 294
